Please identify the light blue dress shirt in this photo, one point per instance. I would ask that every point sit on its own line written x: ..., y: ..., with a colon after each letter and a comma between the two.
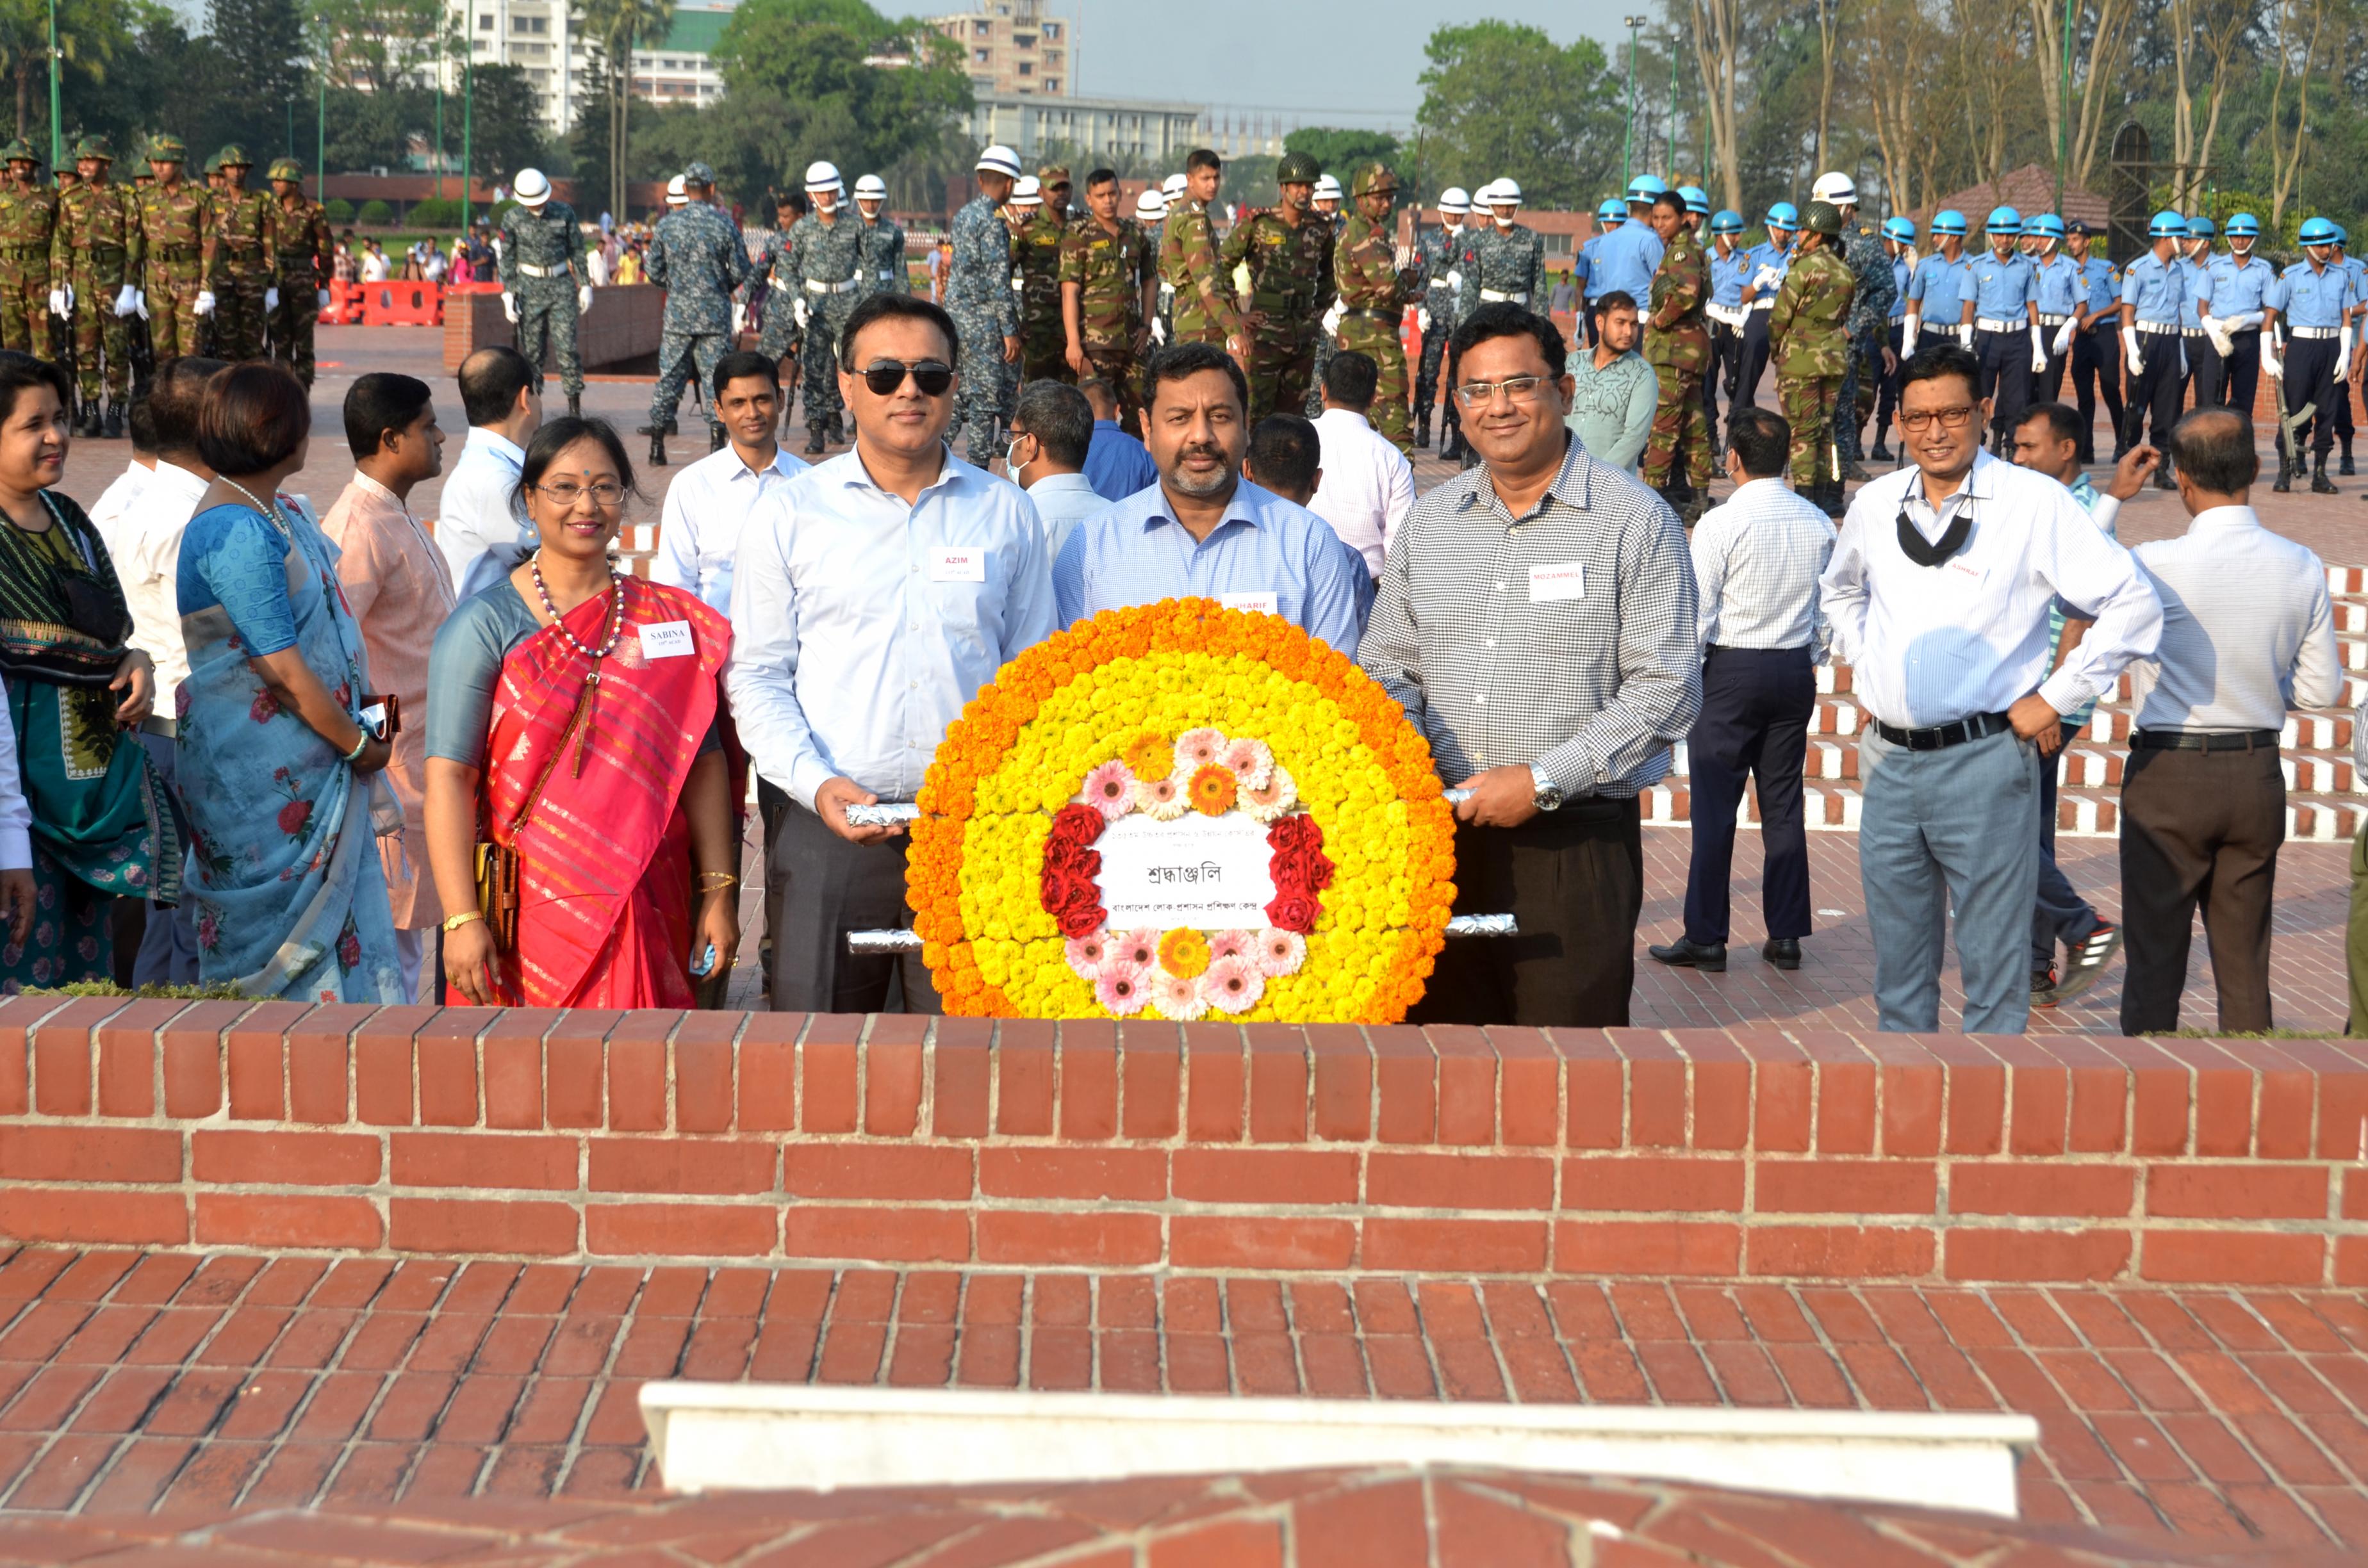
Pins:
x: 2195, y: 282
x: 2240, y: 287
x: 481, y: 523
x: 2059, y: 285
x: 861, y: 625
x: 1941, y: 288
x: 1900, y: 273
x: 707, y: 506
x: 2004, y: 289
x: 1062, y: 501
x: 1767, y: 253
x: 1626, y: 259
x: 1135, y: 552
x: 2306, y: 297
x: 2156, y: 287
x: 2102, y: 283
x: 1587, y: 263
x: 1728, y: 274
x: 2359, y: 271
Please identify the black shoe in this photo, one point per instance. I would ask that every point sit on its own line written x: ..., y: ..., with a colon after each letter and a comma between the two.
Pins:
x: 2042, y: 987
x: 2285, y: 480
x: 1785, y: 953
x: 574, y: 405
x: 1880, y: 452
x: 671, y: 428
x: 1850, y: 469
x: 114, y: 421
x: 716, y: 438
x: 1422, y: 434
x: 837, y: 431
x: 1686, y: 953
x: 2162, y: 480
x: 2344, y: 468
x: 813, y: 440
x: 2086, y: 961
x: 2319, y: 483
x: 657, y: 451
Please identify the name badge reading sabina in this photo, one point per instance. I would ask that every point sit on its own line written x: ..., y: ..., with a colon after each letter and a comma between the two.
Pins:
x: 667, y: 640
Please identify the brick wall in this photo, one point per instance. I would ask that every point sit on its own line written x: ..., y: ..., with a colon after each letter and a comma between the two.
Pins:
x: 623, y: 326
x: 1328, y: 1151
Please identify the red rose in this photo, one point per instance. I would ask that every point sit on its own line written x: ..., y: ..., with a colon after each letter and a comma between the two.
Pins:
x: 294, y: 816
x: 1077, y: 823
x: 1082, y: 922
x: 1063, y: 855
x: 1059, y: 886
x: 1319, y: 871
x: 1295, y: 831
x: 1291, y: 870
x: 1293, y: 912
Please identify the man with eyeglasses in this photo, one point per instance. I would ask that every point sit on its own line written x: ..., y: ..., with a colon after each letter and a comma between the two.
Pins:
x: 1938, y: 594
x: 1536, y: 621
x: 1051, y: 429
x: 875, y: 595
x: 1203, y: 531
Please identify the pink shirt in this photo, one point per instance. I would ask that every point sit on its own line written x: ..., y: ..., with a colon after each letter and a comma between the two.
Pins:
x: 401, y: 592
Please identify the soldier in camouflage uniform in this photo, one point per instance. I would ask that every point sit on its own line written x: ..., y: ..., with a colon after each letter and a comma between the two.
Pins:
x: 28, y: 213
x: 979, y: 298
x: 1109, y: 284
x: 1809, y: 338
x: 1203, y: 309
x: 174, y: 217
x: 1506, y: 261
x: 546, y: 282
x: 1036, y: 278
x: 1377, y: 280
x: 1327, y: 210
x: 1288, y: 251
x: 883, y: 242
x: 300, y: 267
x: 1439, y: 250
x: 824, y: 273
x: 242, y: 248
x: 1677, y: 345
x: 96, y: 251
x: 1869, y: 259
x: 699, y: 258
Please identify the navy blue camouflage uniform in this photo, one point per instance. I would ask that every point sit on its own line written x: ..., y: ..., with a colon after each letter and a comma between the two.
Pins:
x: 541, y: 264
x: 1869, y: 328
x: 986, y: 311
x: 699, y: 258
x: 825, y: 269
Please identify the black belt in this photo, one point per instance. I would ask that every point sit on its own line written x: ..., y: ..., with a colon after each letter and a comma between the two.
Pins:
x: 1375, y: 314
x: 2198, y: 740
x: 1941, y: 737
x: 173, y: 253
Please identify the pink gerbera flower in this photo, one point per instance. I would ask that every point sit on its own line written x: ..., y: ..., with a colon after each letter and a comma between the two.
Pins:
x: 1120, y: 988
x: 1229, y: 944
x: 1250, y: 760
x: 1178, y: 996
x: 1139, y: 948
x: 1109, y: 790
x: 1232, y: 985
x: 1085, y: 954
x: 1198, y: 748
x: 1267, y: 800
x: 1280, y: 952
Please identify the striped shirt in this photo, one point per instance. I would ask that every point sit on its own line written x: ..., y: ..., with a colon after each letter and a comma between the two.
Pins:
x: 1562, y: 638
x: 2247, y: 629
x: 1756, y: 561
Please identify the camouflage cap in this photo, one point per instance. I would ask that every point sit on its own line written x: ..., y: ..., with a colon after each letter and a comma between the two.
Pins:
x: 697, y: 173
x: 287, y: 168
x: 1371, y: 178
x: 94, y: 147
x: 163, y: 149
x: 1822, y: 217
x: 213, y: 163
x: 1052, y: 174
x: 1296, y: 168
x: 18, y: 151
x: 233, y: 157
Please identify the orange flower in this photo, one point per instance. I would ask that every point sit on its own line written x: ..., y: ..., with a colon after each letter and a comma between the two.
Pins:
x: 1184, y: 951
x: 1148, y: 755
x: 1212, y: 790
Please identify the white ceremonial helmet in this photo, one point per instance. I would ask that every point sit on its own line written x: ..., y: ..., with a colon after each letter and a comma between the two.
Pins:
x: 821, y: 175
x: 1505, y: 193
x: 999, y: 160
x: 1151, y: 206
x: 1455, y: 201
x: 531, y: 188
x: 1837, y: 187
x: 871, y: 188
x: 1327, y: 188
x: 1172, y: 186
x: 1028, y: 192
x: 676, y: 196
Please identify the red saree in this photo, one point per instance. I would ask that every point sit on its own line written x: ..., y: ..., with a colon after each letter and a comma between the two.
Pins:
x: 603, y: 884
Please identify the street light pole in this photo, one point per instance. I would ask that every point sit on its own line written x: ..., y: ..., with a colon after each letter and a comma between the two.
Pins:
x: 468, y: 128
x: 440, y: 108
x: 2063, y: 105
x: 1628, y: 144
x: 57, y: 134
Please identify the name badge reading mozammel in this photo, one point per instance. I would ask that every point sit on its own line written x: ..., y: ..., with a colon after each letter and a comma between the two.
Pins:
x: 1562, y: 580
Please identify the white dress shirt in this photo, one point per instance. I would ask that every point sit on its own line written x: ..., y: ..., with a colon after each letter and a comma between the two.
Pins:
x: 1932, y: 645
x: 116, y: 502
x: 145, y: 543
x: 16, y: 816
x: 706, y: 508
x: 1062, y: 501
x: 1368, y: 485
x: 483, y: 529
x: 861, y: 625
x: 1757, y: 560
x: 2247, y: 629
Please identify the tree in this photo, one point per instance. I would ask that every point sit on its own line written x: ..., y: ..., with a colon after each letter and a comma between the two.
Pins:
x: 2202, y: 33
x: 849, y: 84
x: 614, y: 29
x: 1502, y: 99
x: 1718, y: 39
x: 506, y: 129
x: 90, y: 33
x: 1338, y: 151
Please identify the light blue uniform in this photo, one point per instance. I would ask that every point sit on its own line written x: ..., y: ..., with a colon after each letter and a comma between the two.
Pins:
x: 2157, y: 288
x: 1941, y: 288
x: 2305, y: 297
x: 1626, y: 259
x: 1900, y: 272
x: 2195, y: 282
x: 1728, y: 274
x: 2240, y: 287
x: 2004, y: 288
x: 2102, y: 283
x: 2059, y: 289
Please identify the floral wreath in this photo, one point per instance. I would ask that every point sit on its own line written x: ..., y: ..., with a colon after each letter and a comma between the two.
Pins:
x: 1167, y: 710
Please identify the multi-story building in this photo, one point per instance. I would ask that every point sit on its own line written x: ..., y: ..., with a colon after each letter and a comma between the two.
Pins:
x: 682, y: 69
x: 1015, y: 48
x: 1033, y: 125
x: 538, y: 37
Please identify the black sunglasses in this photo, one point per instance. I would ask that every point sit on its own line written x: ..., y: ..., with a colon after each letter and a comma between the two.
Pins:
x: 931, y: 376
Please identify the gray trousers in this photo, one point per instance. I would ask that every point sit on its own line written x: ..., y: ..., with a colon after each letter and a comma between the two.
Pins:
x: 827, y: 887
x: 2061, y: 914
x: 1942, y: 829
x: 169, y: 946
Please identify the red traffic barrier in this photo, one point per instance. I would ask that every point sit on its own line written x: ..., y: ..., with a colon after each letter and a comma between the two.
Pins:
x: 402, y: 304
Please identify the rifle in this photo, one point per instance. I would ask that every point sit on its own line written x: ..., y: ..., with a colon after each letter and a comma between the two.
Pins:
x: 2288, y: 427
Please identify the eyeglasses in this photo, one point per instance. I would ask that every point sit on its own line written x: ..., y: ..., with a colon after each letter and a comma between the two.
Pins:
x: 605, y: 493
x: 1950, y: 418
x: 1520, y: 389
x: 931, y: 376
x: 1011, y: 439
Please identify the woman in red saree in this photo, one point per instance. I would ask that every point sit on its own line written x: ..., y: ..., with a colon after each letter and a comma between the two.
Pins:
x: 572, y: 717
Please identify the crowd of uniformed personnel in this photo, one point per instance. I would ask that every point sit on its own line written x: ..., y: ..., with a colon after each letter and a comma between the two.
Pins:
x: 106, y: 279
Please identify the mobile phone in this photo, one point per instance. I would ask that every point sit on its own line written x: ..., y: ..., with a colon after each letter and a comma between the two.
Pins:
x: 705, y: 965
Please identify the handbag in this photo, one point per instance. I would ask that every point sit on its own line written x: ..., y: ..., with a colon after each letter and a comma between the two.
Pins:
x: 498, y: 863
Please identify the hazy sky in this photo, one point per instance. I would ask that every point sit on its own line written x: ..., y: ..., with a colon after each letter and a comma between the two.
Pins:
x: 1313, y: 55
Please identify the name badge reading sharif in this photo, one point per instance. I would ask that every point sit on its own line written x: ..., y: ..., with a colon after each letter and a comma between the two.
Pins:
x: 952, y: 565
x: 1562, y: 580
x: 1265, y: 603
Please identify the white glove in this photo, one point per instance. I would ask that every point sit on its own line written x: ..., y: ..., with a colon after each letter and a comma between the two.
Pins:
x: 1966, y: 336
x: 1909, y: 328
x: 1767, y: 277
x: 2217, y: 331
x: 739, y: 317
x: 798, y: 312
x: 2130, y: 347
x: 2063, y: 336
x: 2182, y: 362
x: 2038, y: 351
x: 321, y: 298
x: 2343, y: 356
x: 144, y: 304
x: 510, y: 307
x: 1332, y: 319
x: 2243, y: 320
x: 1455, y: 278
x: 2272, y: 363
x: 57, y: 304
x: 205, y: 306
x: 1422, y: 318
x: 271, y: 299
x: 1158, y: 330
x: 583, y: 297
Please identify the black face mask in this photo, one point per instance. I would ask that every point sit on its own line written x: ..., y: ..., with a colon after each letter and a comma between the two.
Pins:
x: 1925, y: 553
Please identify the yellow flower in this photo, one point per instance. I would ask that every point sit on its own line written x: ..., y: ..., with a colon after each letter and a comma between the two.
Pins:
x: 1184, y: 951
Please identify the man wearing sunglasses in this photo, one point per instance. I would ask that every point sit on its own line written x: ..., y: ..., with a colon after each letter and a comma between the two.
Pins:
x: 1203, y: 531
x: 875, y: 595
x: 1939, y: 593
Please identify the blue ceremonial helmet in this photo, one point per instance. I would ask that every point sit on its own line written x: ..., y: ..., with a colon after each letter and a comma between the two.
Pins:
x: 1613, y: 210
x: 1726, y: 221
x: 2318, y: 232
x: 2200, y: 229
x: 1784, y: 216
x: 1646, y: 187
x: 2243, y: 226
x: 1949, y: 221
x: 1900, y: 228
x: 2167, y: 225
x: 2003, y: 221
x: 2046, y: 223
x: 1697, y: 200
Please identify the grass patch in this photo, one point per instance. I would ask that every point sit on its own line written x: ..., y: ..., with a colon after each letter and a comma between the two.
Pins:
x: 142, y: 992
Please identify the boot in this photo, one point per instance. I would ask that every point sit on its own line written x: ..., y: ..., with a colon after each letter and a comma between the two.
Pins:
x: 114, y: 421
x: 671, y: 428
x: 1422, y: 432
x: 658, y: 450
x: 1836, y: 500
x: 2345, y: 468
x: 2162, y: 480
x: 88, y: 425
x: 837, y: 432
x: 1879, y: 452
x: 1850, y: 469
x: 813, y: 438
x: 2319, y: 483
x: 715, y: 437
x: 574, y: 405
x: 2285, y: 478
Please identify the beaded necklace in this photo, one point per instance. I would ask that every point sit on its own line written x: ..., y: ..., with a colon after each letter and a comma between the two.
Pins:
x: 587, y: 701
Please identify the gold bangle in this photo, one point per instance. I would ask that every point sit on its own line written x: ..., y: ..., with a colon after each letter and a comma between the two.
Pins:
x: 454, y: 922
x: 728, y: 881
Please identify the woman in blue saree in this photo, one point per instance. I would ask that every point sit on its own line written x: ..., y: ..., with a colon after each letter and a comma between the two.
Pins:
x: 101, y: 824
x: 278, y: 756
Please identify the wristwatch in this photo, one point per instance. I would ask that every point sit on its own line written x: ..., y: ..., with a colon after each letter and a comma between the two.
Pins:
x: 1545, y: 794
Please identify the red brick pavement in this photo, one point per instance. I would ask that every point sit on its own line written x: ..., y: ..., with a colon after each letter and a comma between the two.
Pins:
x: 131, y: 1383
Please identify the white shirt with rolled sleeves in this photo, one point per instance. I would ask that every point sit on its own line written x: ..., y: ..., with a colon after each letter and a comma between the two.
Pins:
x: 707, y: 509
x: 861, y: 626
x: 1932, y: 645
x: 1368, y: 485
x: 16, y: 816
x: 1757, y: 559
x: 144, y: 541
x: 481, y: 523
x: 2247, y: 629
